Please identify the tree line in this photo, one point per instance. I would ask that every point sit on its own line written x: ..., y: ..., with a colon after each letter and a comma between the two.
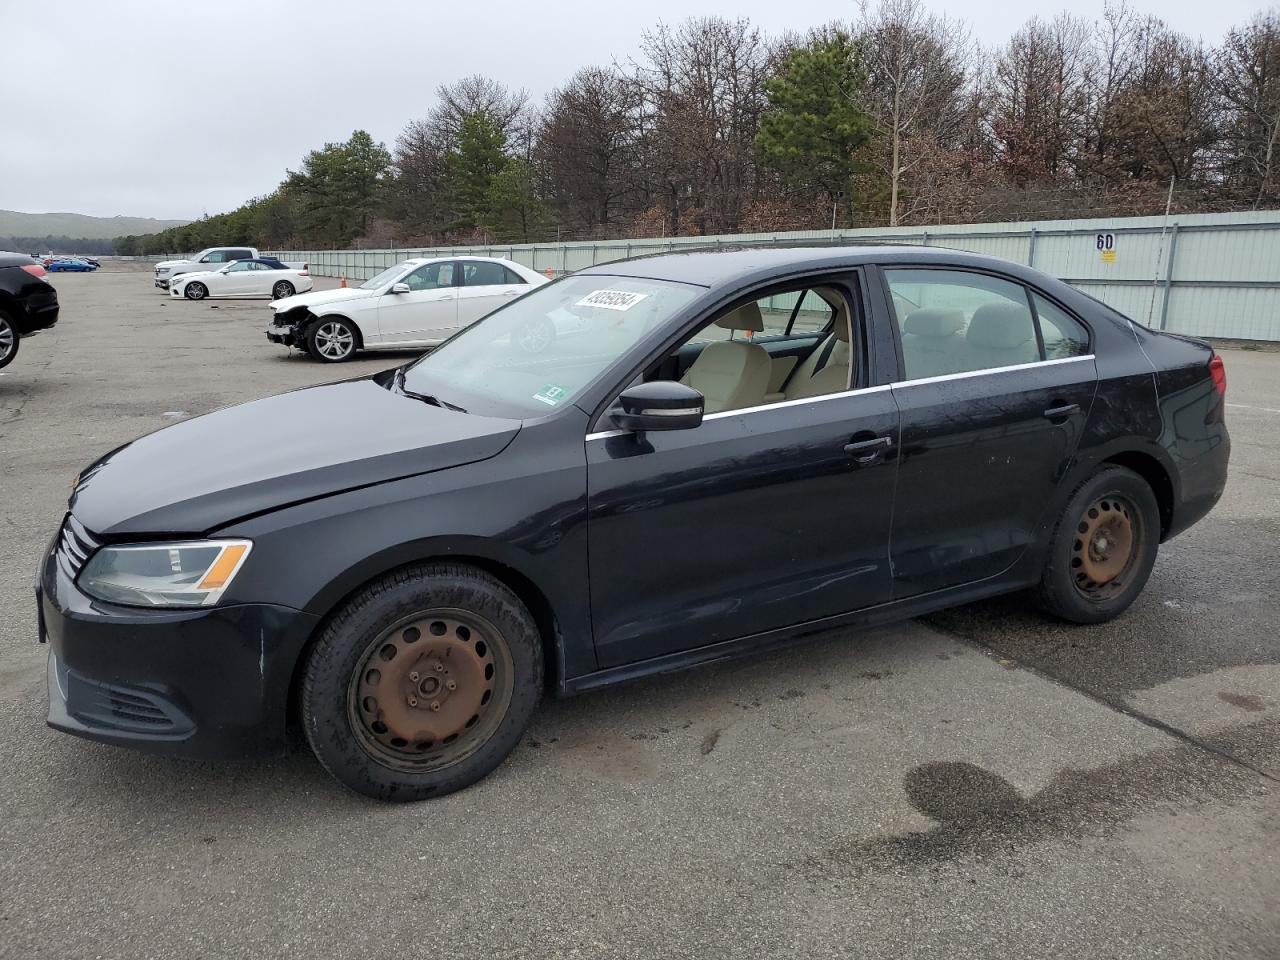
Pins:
x: 893, y: 117
x: 58, y: 244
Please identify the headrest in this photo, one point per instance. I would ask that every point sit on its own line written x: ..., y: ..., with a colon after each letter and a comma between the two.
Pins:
x: 933, y: 322
x: 1001, y: 326
x: 838, y: 304
x: 745, y: 317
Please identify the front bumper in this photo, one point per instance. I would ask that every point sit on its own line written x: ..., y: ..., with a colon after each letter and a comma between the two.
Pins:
x: 288, y: 335
x: 162, y: 283
x: 204, y: 684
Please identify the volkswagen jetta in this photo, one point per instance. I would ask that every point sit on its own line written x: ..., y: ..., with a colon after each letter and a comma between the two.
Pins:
x: 717, y: 452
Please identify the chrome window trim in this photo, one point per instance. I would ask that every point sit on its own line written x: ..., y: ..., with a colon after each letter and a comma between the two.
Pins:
x: 981, y: 373
x: 603, y: 434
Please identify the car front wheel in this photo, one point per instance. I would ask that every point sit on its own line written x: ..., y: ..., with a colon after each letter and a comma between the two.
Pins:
x: 196, y: 291
x: 331, y: 341
x: 8, y: 340
x: 422, y: 683
x: 1103, y: 549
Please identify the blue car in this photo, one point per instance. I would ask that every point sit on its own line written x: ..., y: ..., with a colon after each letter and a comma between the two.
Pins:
x: 72, y: 264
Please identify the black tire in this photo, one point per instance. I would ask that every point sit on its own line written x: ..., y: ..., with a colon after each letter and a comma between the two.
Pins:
x: 1114, y: 507
x: 340, y: 723
x: 9, y: 340
x: 195, y: 291
x: 282, y: 289
x: 332, y: 340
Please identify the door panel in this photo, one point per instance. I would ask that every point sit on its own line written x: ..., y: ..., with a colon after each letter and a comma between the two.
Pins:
x: 475, y: 302
x: 980, y: 462
x: 427, y: 313
x: 748, y: 523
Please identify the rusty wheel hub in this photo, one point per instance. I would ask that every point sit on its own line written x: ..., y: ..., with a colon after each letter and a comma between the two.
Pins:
x: 431, y: 689
x: 1105, y: 547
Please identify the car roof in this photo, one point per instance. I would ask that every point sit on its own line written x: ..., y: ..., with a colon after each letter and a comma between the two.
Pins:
x: 418, y: 261
x: 14, y: 259
x: 733, y: 265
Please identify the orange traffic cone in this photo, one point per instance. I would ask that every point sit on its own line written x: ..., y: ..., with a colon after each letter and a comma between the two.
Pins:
x: 344, y: 281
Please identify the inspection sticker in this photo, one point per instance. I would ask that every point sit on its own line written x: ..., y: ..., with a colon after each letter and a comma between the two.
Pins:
x: 551, y: 394
x: 611, y: 299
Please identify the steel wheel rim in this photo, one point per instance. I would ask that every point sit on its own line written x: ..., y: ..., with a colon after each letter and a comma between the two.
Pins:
x: 8, y: 337
x: 282, y: 290
x: 334, y: 341
x: 400, y: 702
x: 1106, y: 547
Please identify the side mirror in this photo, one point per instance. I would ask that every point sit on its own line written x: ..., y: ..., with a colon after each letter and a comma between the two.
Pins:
x: 399, y: 288
x: 660, y: 405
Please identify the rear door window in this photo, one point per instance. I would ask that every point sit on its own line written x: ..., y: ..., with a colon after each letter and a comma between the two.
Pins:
x: 955, y: 321
x: 1064, y: 335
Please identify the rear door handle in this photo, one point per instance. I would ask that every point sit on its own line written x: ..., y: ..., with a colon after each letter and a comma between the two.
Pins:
x: 1062, y: 412
x: 864, y: 451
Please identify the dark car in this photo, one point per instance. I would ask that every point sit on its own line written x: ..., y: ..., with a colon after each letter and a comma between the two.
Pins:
x: 724, y: 451
x: 28, y: 302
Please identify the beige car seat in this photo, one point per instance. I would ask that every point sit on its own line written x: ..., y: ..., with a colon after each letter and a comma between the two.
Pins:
x: 1000, y: 335
x: 826, y: 369
x: 931, y: 345
x: 732, y: 374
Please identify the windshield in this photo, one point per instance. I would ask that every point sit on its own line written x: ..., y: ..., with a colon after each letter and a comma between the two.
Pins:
x: 385, y: 277
x: 538, y: 352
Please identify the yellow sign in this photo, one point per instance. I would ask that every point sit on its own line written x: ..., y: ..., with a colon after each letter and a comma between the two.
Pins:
x: 1108, y: 256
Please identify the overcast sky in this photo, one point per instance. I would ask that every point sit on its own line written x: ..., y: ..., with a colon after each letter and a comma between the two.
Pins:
x: 175, y: 110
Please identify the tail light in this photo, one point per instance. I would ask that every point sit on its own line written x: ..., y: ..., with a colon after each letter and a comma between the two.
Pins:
x: 35, y: 270
x: 1218, y: 373
x: 306, y: 270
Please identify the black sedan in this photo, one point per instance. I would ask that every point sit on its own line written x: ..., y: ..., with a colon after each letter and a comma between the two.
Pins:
x: 710, y: 453
x: 28, y: 302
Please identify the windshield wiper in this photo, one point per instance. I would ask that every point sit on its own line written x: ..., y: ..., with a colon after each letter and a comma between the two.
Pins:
x: 397, y: 384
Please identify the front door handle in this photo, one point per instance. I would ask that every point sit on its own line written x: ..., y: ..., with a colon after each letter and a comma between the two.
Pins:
x: 865, y: 451
x: 1062, y: 411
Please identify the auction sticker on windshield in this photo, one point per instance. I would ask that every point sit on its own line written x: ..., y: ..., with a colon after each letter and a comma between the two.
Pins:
x: 611, y: 299
x: 551, y: 394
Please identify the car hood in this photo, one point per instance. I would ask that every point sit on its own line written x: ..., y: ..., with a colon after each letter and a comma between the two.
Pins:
x: 193, y: 275
x: 172, y: 263
x: 206, y: 472
x: 319, y: 298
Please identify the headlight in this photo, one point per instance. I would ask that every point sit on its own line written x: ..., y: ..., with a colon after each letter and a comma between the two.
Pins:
x: 191, y: 574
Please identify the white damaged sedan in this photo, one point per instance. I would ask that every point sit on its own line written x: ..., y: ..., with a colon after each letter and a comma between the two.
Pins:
x: 243, y: 278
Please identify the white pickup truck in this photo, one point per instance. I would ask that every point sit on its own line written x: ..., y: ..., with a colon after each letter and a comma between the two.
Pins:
x: 209, y: 259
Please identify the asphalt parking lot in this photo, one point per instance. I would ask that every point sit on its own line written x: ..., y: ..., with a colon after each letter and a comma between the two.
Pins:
x: 984, y: 783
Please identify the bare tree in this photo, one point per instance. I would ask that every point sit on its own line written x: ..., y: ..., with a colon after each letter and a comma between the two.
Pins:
x: 1248, y: 72
x: 701, y: 93
x: 1040, y: 98
x: 915, y: 63
x: 586, y: 149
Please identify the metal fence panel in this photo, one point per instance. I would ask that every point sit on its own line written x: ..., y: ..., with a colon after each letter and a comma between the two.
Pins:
x: 1213, y: 275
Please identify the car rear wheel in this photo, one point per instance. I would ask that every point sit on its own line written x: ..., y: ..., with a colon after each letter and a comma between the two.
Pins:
x: 9, y: 340
x: 196, y: 291
x: 331, y: 340
x: 422, y: 683
x: 282, y: 289
x: 1103, y: 549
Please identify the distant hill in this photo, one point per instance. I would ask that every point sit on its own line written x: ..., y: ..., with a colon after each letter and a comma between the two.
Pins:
x: 15, y: 224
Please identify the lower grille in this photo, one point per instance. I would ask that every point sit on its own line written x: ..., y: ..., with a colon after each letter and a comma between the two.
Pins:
x: 111, y: 707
